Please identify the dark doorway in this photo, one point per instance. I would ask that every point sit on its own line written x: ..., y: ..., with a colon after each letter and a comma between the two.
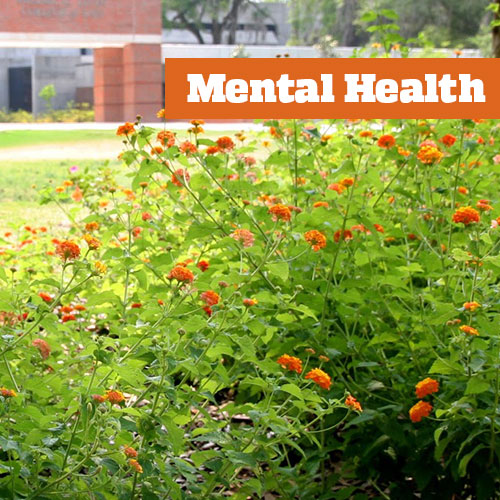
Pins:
x: 20, y: 89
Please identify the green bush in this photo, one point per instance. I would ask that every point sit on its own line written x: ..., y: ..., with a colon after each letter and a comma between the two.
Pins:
x: 308, y: 314
x: 72, y: 113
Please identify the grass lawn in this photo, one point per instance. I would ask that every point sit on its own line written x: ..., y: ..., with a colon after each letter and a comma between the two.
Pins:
x: 20, y: 138
x: 21, y: 179
x: 19, y: 185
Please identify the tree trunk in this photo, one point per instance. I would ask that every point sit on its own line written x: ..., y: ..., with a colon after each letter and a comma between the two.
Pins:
x: 346, y: 21
x: 496, y: 32
x: 190, y: 26
x: 216, y: 31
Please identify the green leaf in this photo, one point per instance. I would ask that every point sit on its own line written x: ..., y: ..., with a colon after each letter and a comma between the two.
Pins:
x: 462, y: 466
x: 279, y: 269
x: 292, y: 389
x: 477, y: 386
x: 242, y: 459
x: 445, y: 367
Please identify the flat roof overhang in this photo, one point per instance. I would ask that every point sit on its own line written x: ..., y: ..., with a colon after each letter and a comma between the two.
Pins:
x: 74, y: 40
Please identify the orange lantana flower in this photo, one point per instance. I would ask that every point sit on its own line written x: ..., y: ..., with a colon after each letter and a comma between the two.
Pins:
x: 290, y: 363
x: 319, y: 377
x: 386, y: 141
x: 114, y: 397
x: 448, y: 140
x: 130, y: 452
x: 181, y: 273
x: 135, y: 465
x: 316, y: 239
x: 466, y: 216
x: 429, y: 154
x: 166, y: 138
x: 67, y: 250
x: 250, y: 302
x: 244, y: 236
x: 210, y: 297
x: 225, y: 144
x: 353, y: 403
x: 280, y: 212
x: 471, y: 306
x: 426, y: 387
x: 484, y: 205
x: 469, y: 329
x: 420, y: 410
x: 126, y: 129
x: 323, y: 204
x: 180, y: 176
x: 345, y: 234
x: 7, y: 393
x: 42, y: 346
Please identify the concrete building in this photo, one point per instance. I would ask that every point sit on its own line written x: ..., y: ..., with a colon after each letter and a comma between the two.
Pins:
x: 127, y: 73
x: 25, y: 71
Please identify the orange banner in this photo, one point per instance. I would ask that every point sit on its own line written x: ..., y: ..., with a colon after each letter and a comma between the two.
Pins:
x: 332, y: 88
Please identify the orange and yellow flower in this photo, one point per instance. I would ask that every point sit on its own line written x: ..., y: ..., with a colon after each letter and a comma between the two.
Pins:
x: 135, y: 465
x: 181, y: 273
x: 290, y: 363
x: 466, y: 215
x: 250, y: 302
x: 471, y: 306
x: 210, y: 297
x: 67, y: 250
x: 126, y: 129
x: 353, y: 403
x: 484, y: 205
x: 316, y: 239
x: 8, y: 393
x: 280, y: 212
x: 225, y: 144
x: 130, y: 452
x: 469, y: 329
x: 318, y: 376
x: 115, y: 397
x: 426, y: 387
x: 420, y: 410
x: 429, y: 154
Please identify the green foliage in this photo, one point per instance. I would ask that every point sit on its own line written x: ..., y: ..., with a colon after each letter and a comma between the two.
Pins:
x: 191, y: 354
x: 72, y: 113
x: 444, y: 23
x: 47, y: 94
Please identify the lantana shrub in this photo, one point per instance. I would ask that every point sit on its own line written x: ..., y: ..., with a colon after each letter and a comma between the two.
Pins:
x: 308, y: 312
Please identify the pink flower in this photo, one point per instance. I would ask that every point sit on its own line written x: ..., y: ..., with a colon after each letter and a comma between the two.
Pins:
x: 496, y: 159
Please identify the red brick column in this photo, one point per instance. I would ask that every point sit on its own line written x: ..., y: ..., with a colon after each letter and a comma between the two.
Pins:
x: 128, y: 82
x: 142, y: 81
x: 108, y: 85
